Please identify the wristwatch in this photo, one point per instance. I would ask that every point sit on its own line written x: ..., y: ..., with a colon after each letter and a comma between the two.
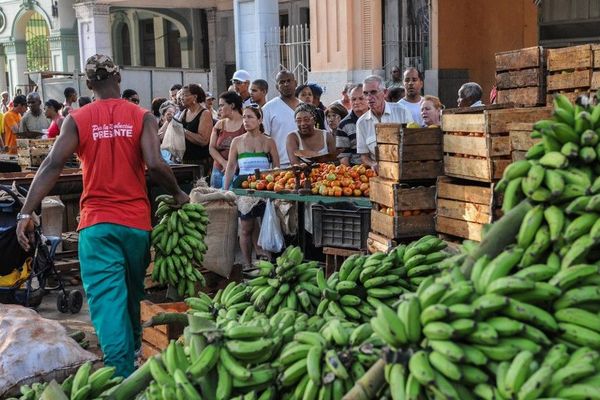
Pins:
x: 21, y: 216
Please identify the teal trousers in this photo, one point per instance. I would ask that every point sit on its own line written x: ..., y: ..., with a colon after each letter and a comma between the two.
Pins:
x: 113, y: 261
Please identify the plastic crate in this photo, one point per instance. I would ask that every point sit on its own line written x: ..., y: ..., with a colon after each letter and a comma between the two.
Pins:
x: 341, y: 225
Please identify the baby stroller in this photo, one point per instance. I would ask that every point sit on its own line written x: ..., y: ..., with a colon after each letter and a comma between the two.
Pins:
x: 24, y: 276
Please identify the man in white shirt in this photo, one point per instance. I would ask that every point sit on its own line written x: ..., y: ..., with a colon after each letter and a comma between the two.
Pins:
x: 379, y: 111
x: 278, y: 114
x: 413, y: 84
x: 469, y: 95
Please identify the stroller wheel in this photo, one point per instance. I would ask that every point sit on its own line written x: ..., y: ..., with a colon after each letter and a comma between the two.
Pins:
x: 75, y: 301
x: 62, y: 302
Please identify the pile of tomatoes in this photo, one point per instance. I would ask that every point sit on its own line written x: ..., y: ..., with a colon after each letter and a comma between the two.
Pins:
x: 325, y: 180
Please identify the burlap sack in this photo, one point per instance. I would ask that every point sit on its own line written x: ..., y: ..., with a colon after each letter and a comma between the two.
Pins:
x: 34, y: 349
x: 221, y: 235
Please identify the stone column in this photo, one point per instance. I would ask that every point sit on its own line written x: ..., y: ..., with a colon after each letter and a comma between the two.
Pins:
x: 16, y: 60
x: 64, y: 52
x: 345, y: 43
x: 3, y: 82
x: 160, y: 39
x: 217, y: 81
x: 93, y: 24
x: 254, y: 22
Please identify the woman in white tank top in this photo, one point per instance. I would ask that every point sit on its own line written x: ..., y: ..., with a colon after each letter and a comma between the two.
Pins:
x: 308, y: 138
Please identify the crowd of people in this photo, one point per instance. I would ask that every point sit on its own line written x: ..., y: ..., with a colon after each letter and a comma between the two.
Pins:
x: 243, y: 131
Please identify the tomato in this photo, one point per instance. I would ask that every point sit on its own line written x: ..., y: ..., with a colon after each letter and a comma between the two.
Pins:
x: 357, y: 192
x: 260, y: 185
x: 278, y: 187
x: 270, y: 178
x: 331, y: 177
x: 323, y: 190
x: 364, y: 186
x: 364, y: 178
x: 253, y: 185
x: 337, y: 191
x: 271, y: 186
x: 347, y: 191
x: 245, y: 185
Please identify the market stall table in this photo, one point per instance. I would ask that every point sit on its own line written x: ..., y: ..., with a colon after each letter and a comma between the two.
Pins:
x: 362, y: 202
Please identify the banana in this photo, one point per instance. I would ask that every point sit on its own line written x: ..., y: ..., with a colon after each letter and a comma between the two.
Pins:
x: 81, y: 377
x: 579, y: 335
x: 445, y: 366
x: 206, y: 360
x: 529, y: 313
x: 569, y: 277
x: 294, y: 373
x: 512, y: 194
x: 438, y: 331
x: 335, y: 365
x: 570, y: 150
x: 587, y: 154
x: 579, y: 391
x: 432, y: 294
x: 534, y: 179
x: 502, y: 264
x: 461, y: 311
x: 535, y: 385
x: 579, y: 317
x: 99, y: 379
x: 554, y: 159
x: 409, y: 312
x: 398, y: 381
x: 537, y: 273
x: 580, y: 226
x: 484, y: 333
x: 458, y: 293
x: 224, y: 383
x: 158, y: 373
x: 497, y: 352
x: 434, y: 312
x: 313, y: 364
x: 510, y: 284
x: 506, y: 327
x: 578, y: 295
x: 451, y: 350
x: 473, y: 355
x: 421, y: 369
x: 310, y: 338
x: 490, y: 302
x: 557, y: 357
x: 517, y: 169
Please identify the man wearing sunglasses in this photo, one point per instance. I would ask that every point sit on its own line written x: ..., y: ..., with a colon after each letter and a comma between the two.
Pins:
x: 34, y: 120
x: 241, y: 84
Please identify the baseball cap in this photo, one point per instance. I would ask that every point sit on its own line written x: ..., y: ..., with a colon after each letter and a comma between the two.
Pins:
x: 99, y: 67
x: 209, y: 95
x: 241, y: 75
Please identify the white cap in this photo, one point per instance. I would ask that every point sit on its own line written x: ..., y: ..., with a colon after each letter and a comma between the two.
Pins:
x: 241, y: 75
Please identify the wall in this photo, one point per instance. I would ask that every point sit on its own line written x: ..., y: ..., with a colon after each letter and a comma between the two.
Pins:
x: 467, y: 34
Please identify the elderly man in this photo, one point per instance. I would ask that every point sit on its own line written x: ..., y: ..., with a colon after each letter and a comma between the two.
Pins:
x: 413, y: 84
x: 34, y: 119
x: 278, y: 114
x: 379, y: 111
x: 241, y: 85
x: 469, y: 95
x: 345, y: 139
x: 396, y: 78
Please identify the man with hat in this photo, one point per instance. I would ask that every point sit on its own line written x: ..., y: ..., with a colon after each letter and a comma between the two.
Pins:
x: 210, y: 99
x: 115, y: 141
x: 241, y: 85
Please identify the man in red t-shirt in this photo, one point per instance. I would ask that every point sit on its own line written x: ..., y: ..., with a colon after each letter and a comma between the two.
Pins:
x: 115, y: 140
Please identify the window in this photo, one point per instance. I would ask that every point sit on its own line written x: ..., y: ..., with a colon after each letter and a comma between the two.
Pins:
x: 38, y: 49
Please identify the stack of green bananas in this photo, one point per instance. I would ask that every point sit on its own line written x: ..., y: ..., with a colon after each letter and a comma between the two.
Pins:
x: 289, y: 284
x: 365, y: 282
x: 84, y: 384
x: 178, y: 240
x: 555, y: 375
x: 325, y: 364
x: 454, y: 336
x: 563, y: 165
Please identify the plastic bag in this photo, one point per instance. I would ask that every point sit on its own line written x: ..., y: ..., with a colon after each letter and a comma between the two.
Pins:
x: 174, y: 140
x: 270, y: 238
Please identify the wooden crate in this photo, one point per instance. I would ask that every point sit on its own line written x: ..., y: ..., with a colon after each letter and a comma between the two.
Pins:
x: 463, y: 208
x: 406, y: 154
x: 400, y: 197
x: 377, y: 242
x: 477, y: 146
x: 32, y: 152
x: 520, y: 139
x: 413, y: 209
x: 156, y: 338
x: 521, y: 76
x: 573, y: 71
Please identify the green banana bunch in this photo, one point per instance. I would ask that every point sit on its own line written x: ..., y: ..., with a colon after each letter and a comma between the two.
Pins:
x: 178, y: 240
x: 291, y: 284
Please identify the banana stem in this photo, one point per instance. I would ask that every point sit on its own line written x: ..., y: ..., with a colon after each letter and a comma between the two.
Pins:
x: 369, y: 385
x: 501, y: 234
x: 133, y: 384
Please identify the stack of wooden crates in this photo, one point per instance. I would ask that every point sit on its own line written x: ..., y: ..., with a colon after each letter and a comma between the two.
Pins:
x: 573, y: 71
x: 403, y: 195
x: 32, y: 152
x: 477, y: 149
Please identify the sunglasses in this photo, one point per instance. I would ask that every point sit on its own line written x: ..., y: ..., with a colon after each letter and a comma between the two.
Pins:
x: 236, y: 82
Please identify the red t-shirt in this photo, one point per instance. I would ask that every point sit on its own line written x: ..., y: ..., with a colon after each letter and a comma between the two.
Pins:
x: 114, y: 183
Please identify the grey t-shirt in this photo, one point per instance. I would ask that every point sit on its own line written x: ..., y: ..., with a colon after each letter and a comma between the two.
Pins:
x: 31, y: 123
